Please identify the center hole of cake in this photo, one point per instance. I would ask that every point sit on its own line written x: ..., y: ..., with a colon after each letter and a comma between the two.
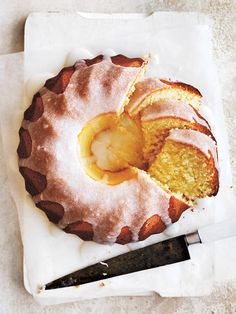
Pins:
x: 110, y: 145
x: 117, y: 148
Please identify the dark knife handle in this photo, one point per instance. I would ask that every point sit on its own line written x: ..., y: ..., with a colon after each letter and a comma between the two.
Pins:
x: 163, y: 253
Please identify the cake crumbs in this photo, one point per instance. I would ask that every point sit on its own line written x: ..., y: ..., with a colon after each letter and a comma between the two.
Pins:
x: 41, y: 289
x: 103, y: 263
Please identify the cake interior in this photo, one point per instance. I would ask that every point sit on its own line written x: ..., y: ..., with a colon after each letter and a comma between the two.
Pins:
x: 115, y: 146
x: 167, y: 93
x: 184, y: 169
x: 156, y: 131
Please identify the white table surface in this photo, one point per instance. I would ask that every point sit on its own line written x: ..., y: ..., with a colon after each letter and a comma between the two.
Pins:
x: 13, y: 297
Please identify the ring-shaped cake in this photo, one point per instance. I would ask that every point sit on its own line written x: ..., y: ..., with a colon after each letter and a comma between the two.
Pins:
x: 77, y: 118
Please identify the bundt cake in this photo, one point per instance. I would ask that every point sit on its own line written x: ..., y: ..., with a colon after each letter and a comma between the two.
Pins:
x: 85, y: 157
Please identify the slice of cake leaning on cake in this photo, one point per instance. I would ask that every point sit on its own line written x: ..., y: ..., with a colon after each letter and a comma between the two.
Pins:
x: 179, y: 147
x: 139, y: 153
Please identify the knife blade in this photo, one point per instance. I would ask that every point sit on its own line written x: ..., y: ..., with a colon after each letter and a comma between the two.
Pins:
x: 167, y: 252
x: 155, y: 255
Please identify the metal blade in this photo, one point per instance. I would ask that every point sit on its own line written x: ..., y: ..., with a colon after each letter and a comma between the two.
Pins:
x: 163, y: 253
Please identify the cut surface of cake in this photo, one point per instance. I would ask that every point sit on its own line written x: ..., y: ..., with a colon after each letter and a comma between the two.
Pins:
x: 187, y: 164
x: 162, y: 116
x: 151, y: 90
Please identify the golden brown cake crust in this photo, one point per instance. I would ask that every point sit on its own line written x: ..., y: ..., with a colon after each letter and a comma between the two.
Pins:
x: 184, y: 86
x: 176, y: 209
x: 153, y: 225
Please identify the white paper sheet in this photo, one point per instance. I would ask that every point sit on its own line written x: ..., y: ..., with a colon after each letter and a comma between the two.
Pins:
x: 44, y: 244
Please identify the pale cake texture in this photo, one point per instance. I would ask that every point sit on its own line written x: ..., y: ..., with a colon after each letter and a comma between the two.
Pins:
x: 162, y: 116
x: 187, y: 164
x: 151, y: 90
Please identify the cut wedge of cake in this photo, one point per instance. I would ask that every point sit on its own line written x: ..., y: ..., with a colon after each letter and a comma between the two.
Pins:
x: 187, y: 164
x: 151, y: 90
x: 163, y: 115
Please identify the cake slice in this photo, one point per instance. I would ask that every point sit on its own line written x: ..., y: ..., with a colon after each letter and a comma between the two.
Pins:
x: 163, y: 115
x: 187, y: 164
x: 151, y: 90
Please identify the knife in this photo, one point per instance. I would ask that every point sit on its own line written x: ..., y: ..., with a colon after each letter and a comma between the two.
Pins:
x: 167, y: 252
